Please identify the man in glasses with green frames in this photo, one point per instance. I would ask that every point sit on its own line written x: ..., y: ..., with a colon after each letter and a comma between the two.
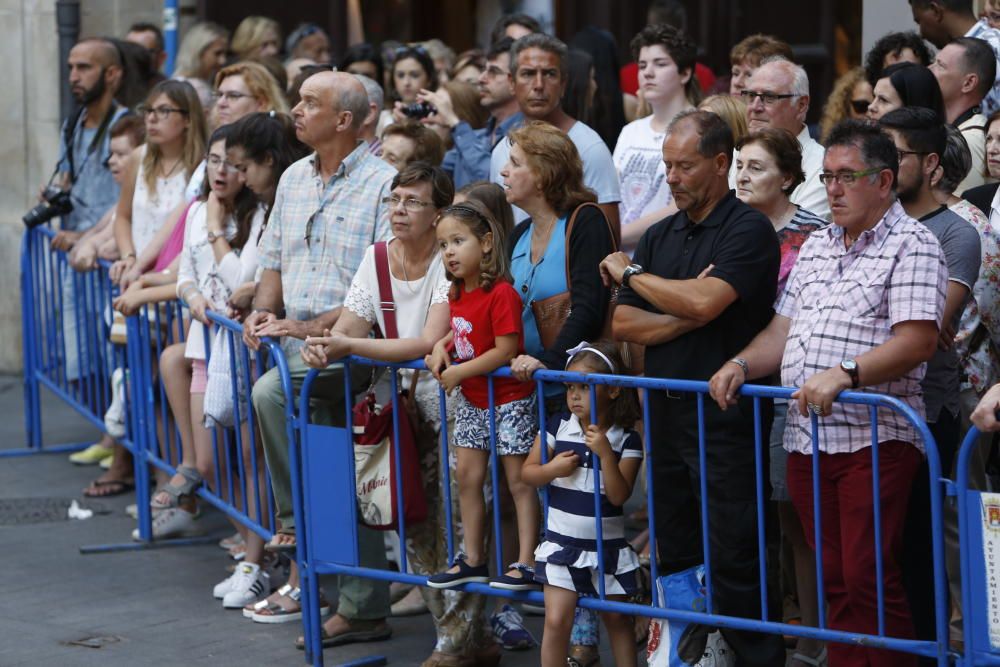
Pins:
x: 777, y: 95
x: 862, y: 309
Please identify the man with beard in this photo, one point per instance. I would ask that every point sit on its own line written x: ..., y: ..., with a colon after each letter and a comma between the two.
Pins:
x: 920, y: 139
x: 95, y: 72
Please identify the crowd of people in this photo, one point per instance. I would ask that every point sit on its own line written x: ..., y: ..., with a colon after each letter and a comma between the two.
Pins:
x: 533, y: 205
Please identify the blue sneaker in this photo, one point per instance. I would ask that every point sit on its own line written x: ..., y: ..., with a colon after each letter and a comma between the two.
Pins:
x: 509, y: 631
x: 466, y: 574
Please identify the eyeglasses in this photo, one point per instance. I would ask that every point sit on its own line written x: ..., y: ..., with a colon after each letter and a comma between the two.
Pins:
x: 162, y: 113
x: 230, y: 95
x: 900, y: 153
x: 860, y: 106
x: 846, y: 177
x: 410, y: 204
x: 768, y: 98
x: 216, y: 162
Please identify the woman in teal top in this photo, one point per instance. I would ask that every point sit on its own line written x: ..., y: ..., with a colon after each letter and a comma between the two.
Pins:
x: 545, y: 178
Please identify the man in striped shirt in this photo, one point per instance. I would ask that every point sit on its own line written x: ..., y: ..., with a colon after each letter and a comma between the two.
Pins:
x: 862, y: 308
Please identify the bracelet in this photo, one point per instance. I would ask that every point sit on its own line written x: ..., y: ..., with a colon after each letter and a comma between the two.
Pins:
x: 742, y: 363
x: 131, y: 255
x: 262, y: 310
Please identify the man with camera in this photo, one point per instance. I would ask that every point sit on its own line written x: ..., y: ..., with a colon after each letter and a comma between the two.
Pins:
x: 82, y: 189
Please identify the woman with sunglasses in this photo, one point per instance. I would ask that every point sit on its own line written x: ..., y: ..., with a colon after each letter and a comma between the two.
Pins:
x: 850, y: 98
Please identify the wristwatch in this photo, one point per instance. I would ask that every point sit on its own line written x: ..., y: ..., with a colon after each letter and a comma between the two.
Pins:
x: 631, y: 270
x: 850, y: 366
x: 213, y: 237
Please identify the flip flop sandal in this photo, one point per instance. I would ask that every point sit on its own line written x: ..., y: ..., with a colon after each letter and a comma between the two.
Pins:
x: 116, y: 487
x: 192, y: 480
x: 349, y: 636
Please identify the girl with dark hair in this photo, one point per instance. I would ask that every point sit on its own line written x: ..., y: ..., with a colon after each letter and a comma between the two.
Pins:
x: 363, y: 59
x: 578, y: 98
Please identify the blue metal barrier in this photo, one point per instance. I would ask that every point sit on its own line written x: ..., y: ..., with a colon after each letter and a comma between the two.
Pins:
x: 66, y: 343
x: 979, y: 521
x: 325, y: 506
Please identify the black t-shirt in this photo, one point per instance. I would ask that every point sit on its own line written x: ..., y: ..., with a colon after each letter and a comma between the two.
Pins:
x: 740, y: 241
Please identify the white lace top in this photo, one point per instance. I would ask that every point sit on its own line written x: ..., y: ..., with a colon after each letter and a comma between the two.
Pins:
x: 413, y: 300
x: 151, y: 209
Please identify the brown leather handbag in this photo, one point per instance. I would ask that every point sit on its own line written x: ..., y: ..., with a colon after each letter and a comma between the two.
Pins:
x: 551, y: 313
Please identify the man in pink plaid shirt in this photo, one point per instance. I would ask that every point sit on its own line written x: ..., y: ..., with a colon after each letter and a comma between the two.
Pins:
x: 861, y: 310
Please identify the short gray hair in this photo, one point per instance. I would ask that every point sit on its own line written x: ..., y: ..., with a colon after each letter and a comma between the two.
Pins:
x: 376, y: 95
x: 800, y: 80
x: 539, y: 40
x: 355, y: 100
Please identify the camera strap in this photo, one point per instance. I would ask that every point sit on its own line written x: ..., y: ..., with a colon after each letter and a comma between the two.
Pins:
x: 70, y: 131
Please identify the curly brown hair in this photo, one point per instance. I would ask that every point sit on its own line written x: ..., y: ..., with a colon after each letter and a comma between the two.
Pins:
x: 837, y: 106
x: 555, y: 163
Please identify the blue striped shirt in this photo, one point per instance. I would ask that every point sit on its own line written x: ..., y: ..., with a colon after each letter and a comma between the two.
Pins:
x: 571, y: 499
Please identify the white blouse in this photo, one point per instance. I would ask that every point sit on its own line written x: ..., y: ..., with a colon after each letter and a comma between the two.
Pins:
x: 150, y: 210
x: 413, y: 300
x: 214, y: 280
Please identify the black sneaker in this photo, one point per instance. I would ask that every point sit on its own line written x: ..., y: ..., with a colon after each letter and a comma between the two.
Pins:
x: 466, y: 574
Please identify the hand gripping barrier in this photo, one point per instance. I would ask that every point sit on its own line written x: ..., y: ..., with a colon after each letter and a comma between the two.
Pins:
x: 979, y: 548
x: 325, y: 505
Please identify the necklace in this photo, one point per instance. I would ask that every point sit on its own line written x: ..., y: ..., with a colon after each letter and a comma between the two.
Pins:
x: 406, y: 278
x: 169, y: 172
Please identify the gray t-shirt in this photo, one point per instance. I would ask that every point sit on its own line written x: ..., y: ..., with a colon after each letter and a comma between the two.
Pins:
x: 599, y: 173
x: 960, y: 242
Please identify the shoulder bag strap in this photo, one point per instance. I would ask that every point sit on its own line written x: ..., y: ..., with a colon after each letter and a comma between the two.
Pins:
x: 386, y: 303
x: 569, y: 232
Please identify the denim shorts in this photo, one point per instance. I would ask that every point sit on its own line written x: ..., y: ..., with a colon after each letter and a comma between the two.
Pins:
x: 517, y: 425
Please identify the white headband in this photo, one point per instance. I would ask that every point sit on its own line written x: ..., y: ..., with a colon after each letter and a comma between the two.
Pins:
x: 584, y: 346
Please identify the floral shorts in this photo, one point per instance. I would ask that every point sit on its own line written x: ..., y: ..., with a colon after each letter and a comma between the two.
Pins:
x: 517, y: 425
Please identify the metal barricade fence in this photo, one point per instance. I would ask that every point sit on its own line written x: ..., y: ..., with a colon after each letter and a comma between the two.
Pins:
x: 65, y: 323
x: 979, y: 550
x: 326, y: 512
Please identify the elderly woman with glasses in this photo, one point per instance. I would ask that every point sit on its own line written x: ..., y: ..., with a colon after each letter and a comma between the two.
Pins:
x: 420, y: 295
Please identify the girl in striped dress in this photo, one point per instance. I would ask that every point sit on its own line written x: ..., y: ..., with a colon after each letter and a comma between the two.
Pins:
x: 566, y: 562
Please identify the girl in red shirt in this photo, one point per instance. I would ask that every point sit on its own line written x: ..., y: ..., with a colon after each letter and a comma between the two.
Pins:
x: 486, y: 333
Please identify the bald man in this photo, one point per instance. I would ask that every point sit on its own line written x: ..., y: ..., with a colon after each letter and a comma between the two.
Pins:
x: 95, y: 72
x: 328, y: 209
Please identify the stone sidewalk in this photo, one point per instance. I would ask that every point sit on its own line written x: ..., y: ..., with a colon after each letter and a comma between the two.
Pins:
x: 149, y: 607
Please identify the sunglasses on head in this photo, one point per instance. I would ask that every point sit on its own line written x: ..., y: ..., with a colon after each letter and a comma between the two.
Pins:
x: 860, y: 106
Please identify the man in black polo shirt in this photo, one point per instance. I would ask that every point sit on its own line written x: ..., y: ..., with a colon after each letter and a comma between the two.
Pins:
x: 701, y: 286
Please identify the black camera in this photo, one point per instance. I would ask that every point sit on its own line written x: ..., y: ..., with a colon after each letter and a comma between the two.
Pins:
x: 55, y: 202
x: 418, y: 110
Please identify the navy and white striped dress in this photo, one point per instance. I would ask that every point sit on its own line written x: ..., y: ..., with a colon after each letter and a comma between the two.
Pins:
x: 567, y: 558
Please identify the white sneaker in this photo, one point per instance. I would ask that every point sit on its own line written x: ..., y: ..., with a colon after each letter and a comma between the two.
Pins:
x: 114, y: 418
x: 224, y: 586
x: 250, y: 584
x: 171, y: 522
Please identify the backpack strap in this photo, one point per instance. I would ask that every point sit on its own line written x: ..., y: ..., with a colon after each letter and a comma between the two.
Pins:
x: 386, y: 302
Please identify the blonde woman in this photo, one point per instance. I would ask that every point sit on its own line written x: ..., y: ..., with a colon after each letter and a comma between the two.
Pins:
x: 730, y: 109
x: 202, y: 54
x: 256, y: 37
x: 155, y: 176
x: 245, y: 88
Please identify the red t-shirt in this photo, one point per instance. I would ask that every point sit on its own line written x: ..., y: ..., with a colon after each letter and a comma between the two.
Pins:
x: 477, y: 318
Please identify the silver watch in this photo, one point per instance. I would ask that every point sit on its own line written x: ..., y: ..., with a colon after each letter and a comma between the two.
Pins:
x: 631, y: 270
